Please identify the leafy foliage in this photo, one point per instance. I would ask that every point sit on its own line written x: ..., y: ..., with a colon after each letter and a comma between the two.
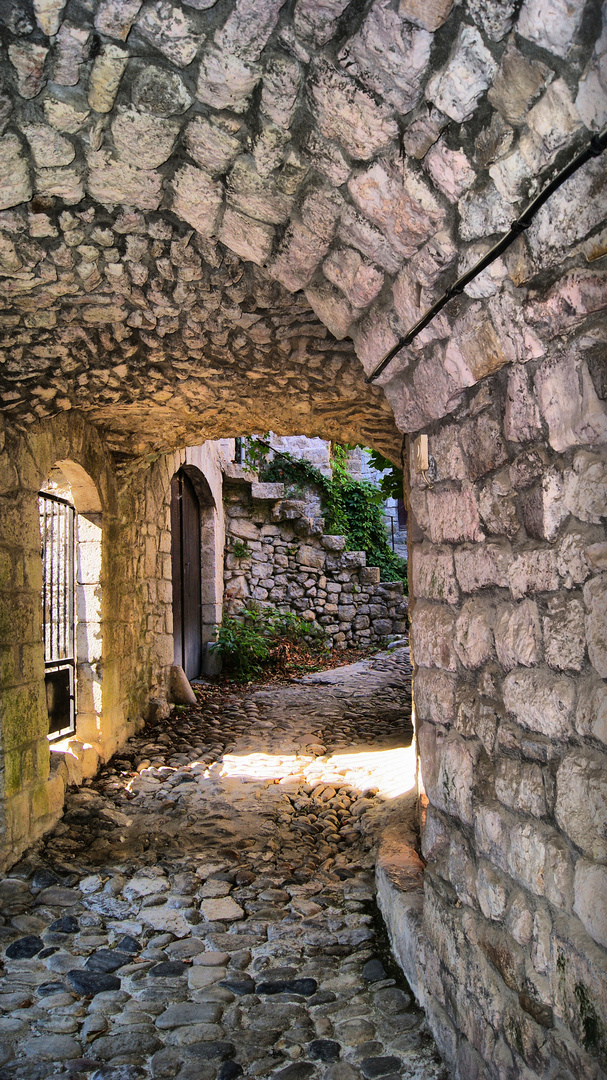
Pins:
x: 351, y: 508
x: 259, y: 638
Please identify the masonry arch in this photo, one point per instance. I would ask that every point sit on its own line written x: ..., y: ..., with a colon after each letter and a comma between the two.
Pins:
x: 72, y: 556
x: 193, y: 558
x: 370, y: 156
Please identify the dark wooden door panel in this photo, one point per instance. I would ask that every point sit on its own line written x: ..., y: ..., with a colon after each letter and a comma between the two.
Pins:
x: 186, y: 566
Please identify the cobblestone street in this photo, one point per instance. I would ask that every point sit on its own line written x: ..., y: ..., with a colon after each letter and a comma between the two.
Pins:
x: 206, y: 907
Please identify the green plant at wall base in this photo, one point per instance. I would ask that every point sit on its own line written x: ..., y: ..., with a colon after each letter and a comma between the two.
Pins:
x: 351, y: 508
x: 240, y: 549
x: 256, y: 639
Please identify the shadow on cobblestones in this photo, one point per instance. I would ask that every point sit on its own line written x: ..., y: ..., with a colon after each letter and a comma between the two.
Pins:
x: 205, y: 909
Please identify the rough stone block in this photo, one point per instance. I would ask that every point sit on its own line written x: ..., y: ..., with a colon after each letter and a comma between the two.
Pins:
x: 541, y: 701
x: 533, y: 570
x: 311, y: 556
x: 552, y: 24
x: 491, y: 892
x: 543, y: 506
x: 569, y: 403
x: 400, y: 204
x: 483, y: 445
x: 432, y: 628
x: 564, y: 636
x: 590, y: 904
x: 595, y: 599
x: 481, y: 565
x: 473, y: 635
x: 586, y: 487
x: 453, y: 515
x: 197, y: 198
x: 581, y: 801
x: 591, y: 712
x: 348, y: 114
x: 520, y: 786
x: 518, y: 635
x: 433, y: 573
x: 267, y: 491
x: 370, y: 575
x: 448, y: 770
x: 435, y: 695
x: 389, y: 56
x: 457, y: 88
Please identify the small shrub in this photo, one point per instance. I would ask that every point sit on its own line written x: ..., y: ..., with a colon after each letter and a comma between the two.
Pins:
x: 254, y: 640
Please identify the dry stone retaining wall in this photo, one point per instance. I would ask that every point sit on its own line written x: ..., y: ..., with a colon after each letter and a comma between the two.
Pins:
x: 508, y: 560
x: 290, y: 564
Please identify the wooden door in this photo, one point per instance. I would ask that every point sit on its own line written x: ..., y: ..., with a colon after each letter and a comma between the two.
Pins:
x: 185, y: 558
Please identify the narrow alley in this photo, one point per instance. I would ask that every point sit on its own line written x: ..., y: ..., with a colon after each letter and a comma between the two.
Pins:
x: 206, y: 906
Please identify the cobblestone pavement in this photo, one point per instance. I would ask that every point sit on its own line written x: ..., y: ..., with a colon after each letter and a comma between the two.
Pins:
x: 205, y: 909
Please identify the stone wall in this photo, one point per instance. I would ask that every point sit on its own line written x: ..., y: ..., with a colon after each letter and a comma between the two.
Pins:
x: 33, y: 781
x: 290, y: 564
x: 508, y: 553
x: 124, y: 608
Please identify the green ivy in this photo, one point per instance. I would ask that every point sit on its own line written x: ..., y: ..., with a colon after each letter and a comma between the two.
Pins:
x: 351, y: 508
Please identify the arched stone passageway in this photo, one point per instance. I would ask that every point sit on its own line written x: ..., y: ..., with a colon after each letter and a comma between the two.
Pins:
x: 214, y: 220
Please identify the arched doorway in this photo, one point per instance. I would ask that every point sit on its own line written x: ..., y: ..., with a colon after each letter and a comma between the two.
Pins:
x: 186, y: 565
x: 71, y: 535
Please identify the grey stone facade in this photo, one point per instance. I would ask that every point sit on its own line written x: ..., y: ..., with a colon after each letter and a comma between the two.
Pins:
x: 292, y: 565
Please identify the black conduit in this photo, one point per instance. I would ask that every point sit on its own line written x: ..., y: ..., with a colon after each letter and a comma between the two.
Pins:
x: 595, y: 148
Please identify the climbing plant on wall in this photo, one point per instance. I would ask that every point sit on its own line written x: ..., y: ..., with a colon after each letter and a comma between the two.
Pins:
x: 351, y: 508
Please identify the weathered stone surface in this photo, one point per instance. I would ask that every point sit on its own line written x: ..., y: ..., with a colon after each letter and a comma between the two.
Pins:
x: 435, y: 695
x: 517, y: 83
x: 143, y: 140
x: 521, y: 417
x: 28, y: 59
x: 449, y: 771
x: 551, y: 25
x: 564, y: 637
x: 316, y: 21
x: 456, y: 90
x: 358, y: 279
x: 105, y: 77
x: 388, y: 55
x: 349, y: 115
x: 336, y: 313
x: 432, y: 636
x: 595, y: 600
x: 15, y: 184
x: 113, y: 182
x: 225, y: 82
x: 581, y: 801
x: 170, y: 30
x: 540, y: 701
x: 116, y: 19
x: 520, y: 786
x: 160, y: 92
x: 406, y: 213
x: 518, y: 635
x: 586, y: 487
x: 450, y: 170
x: 253, y: 195
x: 591, y: 899
x: 473, y: 636
x: 249, y: 239
x: 196, y: 199
x: 49, y: 148
x: 433, y: 573
x: 211, y: 145
x: 569, y: 403
x: 48, y: 15
x: 453, y: 515
x: 429, y: 15
x: 591, y: 712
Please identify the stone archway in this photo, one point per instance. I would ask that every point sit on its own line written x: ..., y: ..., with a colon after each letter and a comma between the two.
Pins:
x: 244, y: 213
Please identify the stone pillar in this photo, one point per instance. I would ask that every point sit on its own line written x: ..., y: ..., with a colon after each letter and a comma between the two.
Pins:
x: 509, y: 638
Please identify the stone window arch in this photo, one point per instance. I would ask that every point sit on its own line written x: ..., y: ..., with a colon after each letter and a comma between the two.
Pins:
x: 69, y: 482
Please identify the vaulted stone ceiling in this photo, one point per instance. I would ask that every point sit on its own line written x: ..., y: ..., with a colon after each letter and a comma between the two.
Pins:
x: 212, y: 212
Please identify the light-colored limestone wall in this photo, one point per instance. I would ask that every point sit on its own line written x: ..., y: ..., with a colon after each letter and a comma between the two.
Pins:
x: 146, y: 508
x: 289, y: 563
x: 33, y: 780
x: 508, y: 559
x: 124, y: 608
